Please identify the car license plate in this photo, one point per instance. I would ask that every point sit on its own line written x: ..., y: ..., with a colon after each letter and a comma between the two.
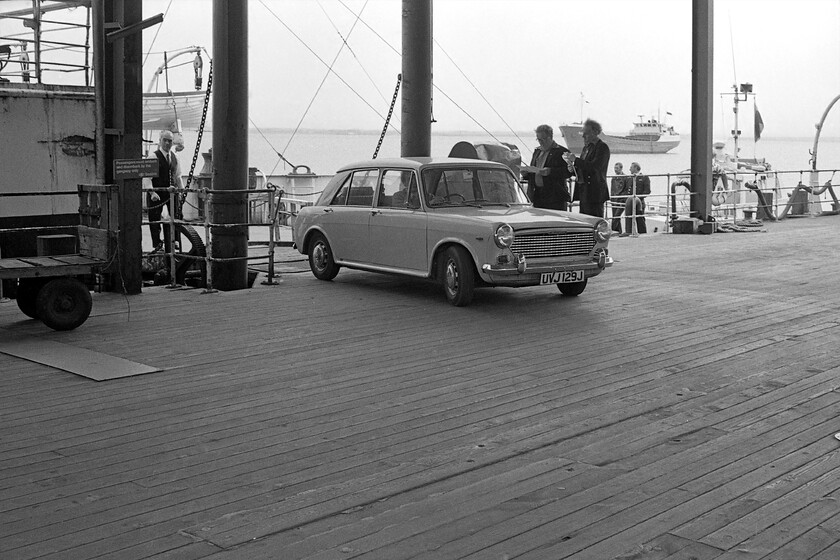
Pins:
x: 562, y: 277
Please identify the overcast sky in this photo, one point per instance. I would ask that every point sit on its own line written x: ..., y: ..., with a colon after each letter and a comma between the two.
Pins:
x: 525, y: 62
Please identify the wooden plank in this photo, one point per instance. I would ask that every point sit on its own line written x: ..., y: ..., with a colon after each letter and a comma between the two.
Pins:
x: 14, y: 264
x: 316, y: 414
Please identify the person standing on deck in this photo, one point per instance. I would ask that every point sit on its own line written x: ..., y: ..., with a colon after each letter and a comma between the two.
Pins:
x: 640, y: 188
x: 591, y: 171
x: 620, y: 187
x: 547, y: 175
x: 169, y: 174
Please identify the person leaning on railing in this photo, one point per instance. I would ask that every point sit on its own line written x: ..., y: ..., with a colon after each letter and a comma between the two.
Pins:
x: 635, y: 205
x: 620, y: 188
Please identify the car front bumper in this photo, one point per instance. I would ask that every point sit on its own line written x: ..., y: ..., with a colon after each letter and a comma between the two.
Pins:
x: 524, y: 273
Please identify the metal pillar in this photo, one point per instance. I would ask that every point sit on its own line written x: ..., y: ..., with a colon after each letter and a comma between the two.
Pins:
x: 702, y: 64
x: 416, y: 139
x: 122, y: 129
x: 230, y: 143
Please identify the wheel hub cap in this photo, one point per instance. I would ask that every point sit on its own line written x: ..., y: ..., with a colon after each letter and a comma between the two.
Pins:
x: 451, y: 277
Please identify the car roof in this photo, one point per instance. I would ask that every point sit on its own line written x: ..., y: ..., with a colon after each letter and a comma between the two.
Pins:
x: 420, y: 162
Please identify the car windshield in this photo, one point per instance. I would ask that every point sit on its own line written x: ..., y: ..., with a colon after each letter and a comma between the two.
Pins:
x: 471, y: 186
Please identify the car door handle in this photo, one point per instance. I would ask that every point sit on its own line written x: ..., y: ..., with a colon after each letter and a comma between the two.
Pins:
x: 375, y: 212
x: 328, y: 209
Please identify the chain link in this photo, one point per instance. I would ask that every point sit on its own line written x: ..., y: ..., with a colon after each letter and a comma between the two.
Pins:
x: 200, y: 133
x: 388, y: 118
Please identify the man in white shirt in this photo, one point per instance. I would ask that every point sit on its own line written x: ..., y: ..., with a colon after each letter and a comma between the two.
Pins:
x: 169, y: 174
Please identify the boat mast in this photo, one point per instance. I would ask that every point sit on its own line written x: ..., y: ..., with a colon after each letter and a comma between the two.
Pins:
x: 746, y: 91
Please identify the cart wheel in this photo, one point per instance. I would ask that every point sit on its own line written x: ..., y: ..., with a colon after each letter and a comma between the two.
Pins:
x: 63, y: 304
x: 27, y: 295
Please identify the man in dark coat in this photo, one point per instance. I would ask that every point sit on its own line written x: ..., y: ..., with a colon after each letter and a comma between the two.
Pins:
x: 591, y: 171
x: 635, y: 205
x: 548, y: 173
x: 169, y: 174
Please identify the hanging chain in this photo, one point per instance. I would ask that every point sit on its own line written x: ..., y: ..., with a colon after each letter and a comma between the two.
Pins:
x: 200, y: 127
x: 388, y: 118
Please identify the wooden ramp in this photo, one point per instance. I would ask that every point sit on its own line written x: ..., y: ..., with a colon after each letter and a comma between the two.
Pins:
x: 683, y: 407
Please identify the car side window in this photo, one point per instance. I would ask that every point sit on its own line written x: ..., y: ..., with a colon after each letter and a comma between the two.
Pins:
x: 340, y: 198
x: 357, y: 190
x: 361, y: 187
x: 398, y: 189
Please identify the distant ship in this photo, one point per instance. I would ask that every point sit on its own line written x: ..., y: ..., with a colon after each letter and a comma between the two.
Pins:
x: 647, y: 137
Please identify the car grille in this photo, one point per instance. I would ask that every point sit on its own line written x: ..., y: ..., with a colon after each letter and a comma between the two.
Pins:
x: 542, y: 245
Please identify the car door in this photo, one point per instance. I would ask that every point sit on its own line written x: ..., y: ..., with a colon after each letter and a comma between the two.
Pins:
x: 397, y: 230
x: 346, y: 218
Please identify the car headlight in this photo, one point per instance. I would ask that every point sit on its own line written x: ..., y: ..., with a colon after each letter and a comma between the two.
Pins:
x: 602, y: 231
x: 503, y: 236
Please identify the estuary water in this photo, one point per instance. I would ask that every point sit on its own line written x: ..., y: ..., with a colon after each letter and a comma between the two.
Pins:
x: 325, y: 151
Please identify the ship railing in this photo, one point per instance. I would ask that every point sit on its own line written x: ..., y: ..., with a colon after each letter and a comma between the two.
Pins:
x: 783, y: 194
x: 280, y: 210
x: 47, y: 44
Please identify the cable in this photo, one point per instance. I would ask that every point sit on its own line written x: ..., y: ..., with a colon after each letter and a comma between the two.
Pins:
x: 342, y: 80
x: 156, y: 33
x: 478, y: 91
x: 267, y: 141
x: 393, y: 48
x: 356, y: 58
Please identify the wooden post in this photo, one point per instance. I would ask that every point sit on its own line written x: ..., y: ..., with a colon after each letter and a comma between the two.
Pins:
x: 122, y: 130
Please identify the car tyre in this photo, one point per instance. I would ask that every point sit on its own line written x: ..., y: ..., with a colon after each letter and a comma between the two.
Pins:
x: 27, y: 295
x: 458, y: 276
x: 321, y: 260
x: 572, y: 288
x: 64, y: 303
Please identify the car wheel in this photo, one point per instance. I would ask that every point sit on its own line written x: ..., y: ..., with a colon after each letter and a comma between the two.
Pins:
x: 572, y: 288
x: 321, y: 258
x: 63, y: 304
x: 27, y: 295
x: 458, y: 276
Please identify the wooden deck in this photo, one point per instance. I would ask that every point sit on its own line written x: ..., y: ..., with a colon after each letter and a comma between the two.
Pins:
x: 683, y: 407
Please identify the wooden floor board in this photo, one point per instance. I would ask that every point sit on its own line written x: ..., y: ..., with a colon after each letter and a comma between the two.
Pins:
x: 366, y: 418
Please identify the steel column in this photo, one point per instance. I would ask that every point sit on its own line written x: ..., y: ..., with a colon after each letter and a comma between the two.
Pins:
x: 702, y: 65
x: 230, y: 143
x: 416, y: 138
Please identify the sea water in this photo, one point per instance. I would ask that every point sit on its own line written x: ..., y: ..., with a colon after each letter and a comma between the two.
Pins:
x: 323, y: 152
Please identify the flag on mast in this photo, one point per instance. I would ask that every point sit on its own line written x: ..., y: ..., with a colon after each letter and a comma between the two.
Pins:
x: 758, y: 123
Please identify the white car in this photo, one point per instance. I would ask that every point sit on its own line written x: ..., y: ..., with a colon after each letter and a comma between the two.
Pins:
x: 462, y: 222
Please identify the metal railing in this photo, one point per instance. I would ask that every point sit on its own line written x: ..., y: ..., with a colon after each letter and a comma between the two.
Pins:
x: 44, y: 44
x: 785, y: 194
x: 277, y: 213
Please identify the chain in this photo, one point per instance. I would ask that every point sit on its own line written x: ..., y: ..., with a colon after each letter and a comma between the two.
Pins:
x: 200, y: 130
x: 388, y: 118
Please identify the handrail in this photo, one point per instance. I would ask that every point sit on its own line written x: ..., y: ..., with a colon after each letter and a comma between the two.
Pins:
x: 29, y: 63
